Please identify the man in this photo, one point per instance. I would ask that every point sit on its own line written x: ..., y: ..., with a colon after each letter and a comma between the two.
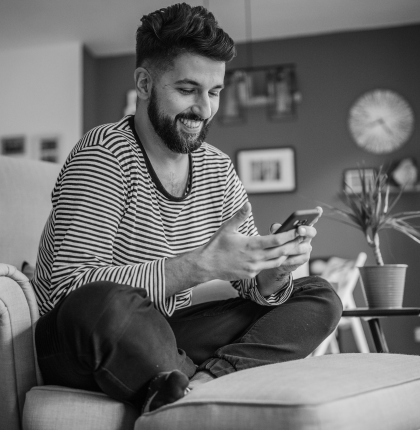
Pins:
x: 143, y: 211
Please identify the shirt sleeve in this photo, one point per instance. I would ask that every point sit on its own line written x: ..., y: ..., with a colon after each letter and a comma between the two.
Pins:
x: 236, y: 197
x: 89, y: 201
x: 247, y: 289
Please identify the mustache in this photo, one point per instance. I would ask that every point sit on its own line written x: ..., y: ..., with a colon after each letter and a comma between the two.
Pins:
x: 190, y: 116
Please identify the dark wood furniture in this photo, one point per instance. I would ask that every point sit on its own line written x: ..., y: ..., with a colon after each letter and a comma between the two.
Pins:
x: 373, y: 315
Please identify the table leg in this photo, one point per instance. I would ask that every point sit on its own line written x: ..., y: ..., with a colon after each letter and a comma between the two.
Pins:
x: 378, y: 335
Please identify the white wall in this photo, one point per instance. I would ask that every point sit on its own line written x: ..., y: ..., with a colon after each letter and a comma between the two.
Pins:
x: 41, y: 94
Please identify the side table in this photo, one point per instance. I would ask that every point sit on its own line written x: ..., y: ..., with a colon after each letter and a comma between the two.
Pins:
x: 372, y: 315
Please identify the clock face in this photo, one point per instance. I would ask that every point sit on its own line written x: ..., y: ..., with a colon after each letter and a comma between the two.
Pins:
x: 381, y: 121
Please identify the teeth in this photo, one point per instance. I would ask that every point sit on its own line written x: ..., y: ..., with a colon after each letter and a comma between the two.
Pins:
x: 191, y: 124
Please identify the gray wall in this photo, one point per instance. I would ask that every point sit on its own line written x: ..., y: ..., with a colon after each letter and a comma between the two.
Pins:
x: 332, y: 70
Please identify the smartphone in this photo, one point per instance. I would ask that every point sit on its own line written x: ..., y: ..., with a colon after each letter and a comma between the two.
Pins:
x: 302, y: 217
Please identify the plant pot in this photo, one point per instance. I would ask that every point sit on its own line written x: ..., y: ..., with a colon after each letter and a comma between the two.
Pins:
x: 383, y: 285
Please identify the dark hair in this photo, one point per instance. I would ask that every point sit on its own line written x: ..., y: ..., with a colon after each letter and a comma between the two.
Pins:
x: 169, y: 32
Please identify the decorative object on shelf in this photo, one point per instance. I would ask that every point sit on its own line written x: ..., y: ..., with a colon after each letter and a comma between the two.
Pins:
x: 352, y: 182
x: 404, y: 174
x: 381, y: 121
x: 268, y: 170
x: 370, y: 211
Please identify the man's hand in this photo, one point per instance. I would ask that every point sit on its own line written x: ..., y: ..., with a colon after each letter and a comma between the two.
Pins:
x: 230, y: 255
x: 270, y: 281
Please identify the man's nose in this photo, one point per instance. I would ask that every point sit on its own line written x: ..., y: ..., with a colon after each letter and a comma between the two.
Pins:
x: 202, y: 107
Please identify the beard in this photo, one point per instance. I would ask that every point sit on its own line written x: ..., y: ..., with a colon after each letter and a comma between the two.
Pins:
x: 166, y: 128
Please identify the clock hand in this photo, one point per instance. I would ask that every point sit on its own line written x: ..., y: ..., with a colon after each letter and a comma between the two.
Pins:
x: 387, y: 129
x: 376, y: 121
x: 384, y: 125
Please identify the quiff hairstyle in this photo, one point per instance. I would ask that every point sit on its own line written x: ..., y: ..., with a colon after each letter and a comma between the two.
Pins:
x: 178, y: 29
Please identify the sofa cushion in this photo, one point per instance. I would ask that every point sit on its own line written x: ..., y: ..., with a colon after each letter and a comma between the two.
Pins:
x: 343, y: 391
x: 52, y: 407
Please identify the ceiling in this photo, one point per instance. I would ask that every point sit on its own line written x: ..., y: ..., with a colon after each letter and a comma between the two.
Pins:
x: 108, y: 27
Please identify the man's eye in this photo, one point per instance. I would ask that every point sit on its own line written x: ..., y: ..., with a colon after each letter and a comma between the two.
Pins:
x: 215, y: 93
x: 186, y: 90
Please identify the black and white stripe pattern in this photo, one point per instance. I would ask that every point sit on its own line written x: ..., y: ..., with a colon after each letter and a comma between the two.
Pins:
x: 112, y: 220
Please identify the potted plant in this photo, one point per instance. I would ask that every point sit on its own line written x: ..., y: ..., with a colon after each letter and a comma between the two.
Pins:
x: 370, y: 210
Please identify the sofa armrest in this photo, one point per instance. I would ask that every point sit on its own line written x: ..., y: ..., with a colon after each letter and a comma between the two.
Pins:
x: 19, y: 370
x: 11, y: 272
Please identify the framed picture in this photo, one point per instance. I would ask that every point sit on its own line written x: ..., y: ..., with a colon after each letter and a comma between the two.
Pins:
x: 269, y: 170
x: 46, y: 148
x: 352, y: 182
x: 13, y: 146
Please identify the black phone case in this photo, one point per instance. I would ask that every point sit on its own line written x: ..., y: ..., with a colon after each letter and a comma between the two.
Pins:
x: 304, y: 217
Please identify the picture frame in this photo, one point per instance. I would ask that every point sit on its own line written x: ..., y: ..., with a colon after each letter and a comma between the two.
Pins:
x: 46, y: 147
x: 14, y: 146
x: 351, y: 179
x: 267, y: 170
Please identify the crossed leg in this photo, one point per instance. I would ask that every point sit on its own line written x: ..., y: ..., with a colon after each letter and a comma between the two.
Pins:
x: 109, y: 337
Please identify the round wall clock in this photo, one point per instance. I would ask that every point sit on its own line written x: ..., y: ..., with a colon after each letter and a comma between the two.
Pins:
x: 381, y: 121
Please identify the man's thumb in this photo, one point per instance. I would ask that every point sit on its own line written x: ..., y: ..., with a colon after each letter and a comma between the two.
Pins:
x: 239, y: 217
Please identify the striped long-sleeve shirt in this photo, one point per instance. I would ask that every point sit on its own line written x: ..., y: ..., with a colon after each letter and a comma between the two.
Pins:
x: 112, y: 220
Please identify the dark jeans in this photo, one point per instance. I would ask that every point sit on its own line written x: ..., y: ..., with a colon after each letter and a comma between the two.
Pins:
x: 109, y: 337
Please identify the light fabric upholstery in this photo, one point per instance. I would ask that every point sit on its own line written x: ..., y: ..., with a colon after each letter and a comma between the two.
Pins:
x: 331, y: 392
x: 21, y: 390
x: 25, y: 203
x: 18, y: 366
x: 57, y: 408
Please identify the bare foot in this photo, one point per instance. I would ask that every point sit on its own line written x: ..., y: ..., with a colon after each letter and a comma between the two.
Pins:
x: 165, y: 388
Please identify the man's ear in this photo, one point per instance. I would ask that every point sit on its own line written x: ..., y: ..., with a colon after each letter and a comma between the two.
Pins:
x: 143, y: 82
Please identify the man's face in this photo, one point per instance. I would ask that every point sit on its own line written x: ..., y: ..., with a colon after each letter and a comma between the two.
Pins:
x: 184, y: 100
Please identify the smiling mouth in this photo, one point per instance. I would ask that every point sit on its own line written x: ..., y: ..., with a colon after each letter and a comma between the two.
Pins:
x: 191, y: 125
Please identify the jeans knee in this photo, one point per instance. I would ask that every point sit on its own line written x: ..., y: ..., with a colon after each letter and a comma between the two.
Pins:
x: 327, y: 301
x: 332, y: 304
x: 100, y: 307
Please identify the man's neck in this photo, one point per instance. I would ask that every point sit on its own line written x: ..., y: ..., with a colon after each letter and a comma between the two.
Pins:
x: 171, y: 168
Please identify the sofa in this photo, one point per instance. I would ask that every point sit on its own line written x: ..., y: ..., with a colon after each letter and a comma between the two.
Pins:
x: 335, y: 391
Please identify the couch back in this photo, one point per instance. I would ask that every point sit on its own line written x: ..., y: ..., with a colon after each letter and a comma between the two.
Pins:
x: 25, y: 203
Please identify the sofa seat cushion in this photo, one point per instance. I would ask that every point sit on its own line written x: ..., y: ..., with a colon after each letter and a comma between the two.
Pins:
x: 343, y: 391
x: 51, y: 407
